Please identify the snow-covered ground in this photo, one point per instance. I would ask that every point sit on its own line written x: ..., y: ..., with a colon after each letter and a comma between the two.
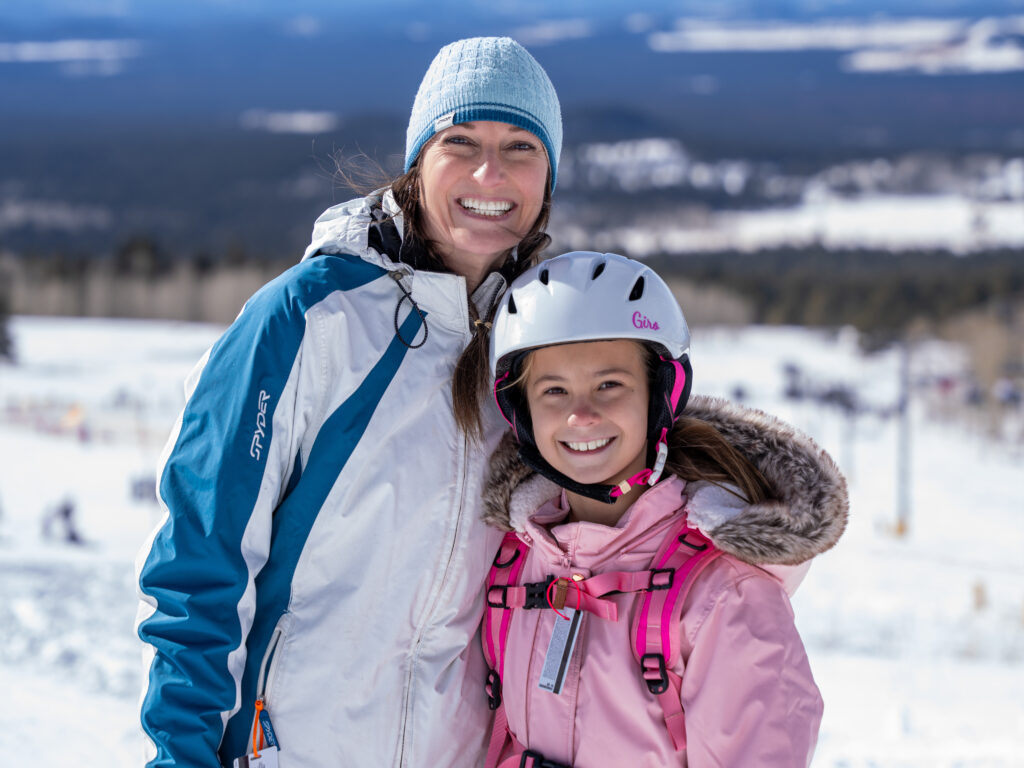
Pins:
x: 917, y: 642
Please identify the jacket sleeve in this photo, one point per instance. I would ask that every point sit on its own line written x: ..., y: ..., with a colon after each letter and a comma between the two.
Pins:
x: 748, y: 693
x: 223, y: 472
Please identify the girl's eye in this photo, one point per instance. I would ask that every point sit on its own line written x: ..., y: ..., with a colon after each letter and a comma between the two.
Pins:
x: 554, y: 391
x: 609, y: 384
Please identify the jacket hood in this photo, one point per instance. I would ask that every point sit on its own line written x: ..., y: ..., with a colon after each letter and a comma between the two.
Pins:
x: 344, y: 228
x: 805, y: 516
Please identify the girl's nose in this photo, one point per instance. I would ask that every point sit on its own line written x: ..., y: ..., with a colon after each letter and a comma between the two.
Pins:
x: 583, y: 414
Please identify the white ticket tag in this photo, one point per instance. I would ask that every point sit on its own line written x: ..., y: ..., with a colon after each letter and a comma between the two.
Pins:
x: 267, y: 759
x: 563, y: 641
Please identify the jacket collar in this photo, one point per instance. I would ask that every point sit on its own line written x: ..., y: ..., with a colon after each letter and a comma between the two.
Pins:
x: 805, y: 516
x: 345, y: 229
x: 587, y: 542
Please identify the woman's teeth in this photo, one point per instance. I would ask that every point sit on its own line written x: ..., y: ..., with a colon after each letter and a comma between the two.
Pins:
x: 593, y: 445
x: 486, y: 207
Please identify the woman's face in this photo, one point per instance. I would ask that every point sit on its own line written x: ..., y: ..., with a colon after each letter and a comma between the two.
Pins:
x: 482, y: 189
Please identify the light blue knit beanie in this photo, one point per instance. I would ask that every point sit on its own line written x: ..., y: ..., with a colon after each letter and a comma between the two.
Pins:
x: 485, y: 78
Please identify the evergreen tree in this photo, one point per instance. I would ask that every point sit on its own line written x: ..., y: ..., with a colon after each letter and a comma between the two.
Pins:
x: 6, y: 345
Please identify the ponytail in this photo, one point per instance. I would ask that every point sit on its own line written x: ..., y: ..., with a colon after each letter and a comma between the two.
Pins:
x: 471, y: 379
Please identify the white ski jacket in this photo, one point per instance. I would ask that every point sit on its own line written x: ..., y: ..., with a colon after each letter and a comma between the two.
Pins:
x: 322, y: 546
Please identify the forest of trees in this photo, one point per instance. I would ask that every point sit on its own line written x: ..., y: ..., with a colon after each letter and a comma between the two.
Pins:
x: 878, y: 292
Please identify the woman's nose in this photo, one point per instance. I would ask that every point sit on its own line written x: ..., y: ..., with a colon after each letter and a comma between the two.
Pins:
x: 491, y: 170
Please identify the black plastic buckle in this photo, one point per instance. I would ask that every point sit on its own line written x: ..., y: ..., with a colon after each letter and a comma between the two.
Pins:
x: 661, y: 684
x: 493, y: 690
x: 697, y: 547
x: 504, y: 596
x: 498, y: 564
x: 657, y: 572
x: 538, y: 761
x: 536, y: 593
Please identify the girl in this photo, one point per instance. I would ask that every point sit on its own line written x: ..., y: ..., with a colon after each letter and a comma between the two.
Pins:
x: 649, y: 555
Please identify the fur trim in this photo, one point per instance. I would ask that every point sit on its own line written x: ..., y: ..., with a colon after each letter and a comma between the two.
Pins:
x: 805, y: 517
x: 505, y: 473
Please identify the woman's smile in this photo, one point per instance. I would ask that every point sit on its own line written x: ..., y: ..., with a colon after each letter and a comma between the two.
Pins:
x: 491, y: 209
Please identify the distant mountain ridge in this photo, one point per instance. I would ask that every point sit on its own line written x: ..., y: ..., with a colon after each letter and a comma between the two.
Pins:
x: 213, y: 126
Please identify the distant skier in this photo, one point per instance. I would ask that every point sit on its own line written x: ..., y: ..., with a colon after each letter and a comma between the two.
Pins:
x: 64, y: 515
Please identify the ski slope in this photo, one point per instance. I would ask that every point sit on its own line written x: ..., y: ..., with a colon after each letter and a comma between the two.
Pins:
x: 917, y: 642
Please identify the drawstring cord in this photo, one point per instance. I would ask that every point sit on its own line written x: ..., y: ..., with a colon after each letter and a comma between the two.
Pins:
x: 397, y: 277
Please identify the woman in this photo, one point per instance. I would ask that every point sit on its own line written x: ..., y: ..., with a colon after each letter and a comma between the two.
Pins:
x: 313, y: 592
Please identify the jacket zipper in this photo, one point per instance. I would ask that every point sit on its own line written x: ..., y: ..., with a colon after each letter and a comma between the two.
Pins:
x: 464, y: 475
x: 266, y: 669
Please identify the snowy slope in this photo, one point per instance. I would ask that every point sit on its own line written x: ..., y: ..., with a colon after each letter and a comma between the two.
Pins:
x: 917, y: 642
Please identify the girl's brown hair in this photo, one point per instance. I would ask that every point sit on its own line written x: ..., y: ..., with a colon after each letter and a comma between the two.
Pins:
x: 697, y: 451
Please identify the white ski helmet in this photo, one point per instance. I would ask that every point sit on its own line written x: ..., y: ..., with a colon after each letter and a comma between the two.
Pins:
x: 587, y: 296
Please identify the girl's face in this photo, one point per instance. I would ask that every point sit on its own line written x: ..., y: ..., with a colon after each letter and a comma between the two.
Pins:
x: 588, y: 404
x: 482, y: 189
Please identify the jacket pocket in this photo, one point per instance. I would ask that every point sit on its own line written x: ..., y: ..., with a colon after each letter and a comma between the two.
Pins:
x: 271, y: 660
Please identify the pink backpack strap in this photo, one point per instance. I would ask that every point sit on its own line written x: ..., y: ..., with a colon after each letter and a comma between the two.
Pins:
x: 683, y: 555
x: 505, y: 571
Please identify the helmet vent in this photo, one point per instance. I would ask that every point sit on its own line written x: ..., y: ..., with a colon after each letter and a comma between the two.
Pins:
x: 638, y: 289
x: 512, y: 304
x: 597, y: 271
x: 544, y: 276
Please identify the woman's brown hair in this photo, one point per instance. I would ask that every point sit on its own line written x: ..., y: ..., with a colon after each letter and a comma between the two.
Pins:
x: 471, y: 380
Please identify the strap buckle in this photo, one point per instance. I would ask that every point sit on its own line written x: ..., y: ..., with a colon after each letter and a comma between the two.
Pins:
x: 536, y: 593
x: 503, y: 602
x: 696, y: 547
x: 656, y: 677
x: 655, y: 573
x: 492, y: 687
x: 539, y: 761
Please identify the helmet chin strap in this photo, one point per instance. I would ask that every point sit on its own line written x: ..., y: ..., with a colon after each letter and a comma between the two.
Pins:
x: 646, y: 476
x: 609, y: 494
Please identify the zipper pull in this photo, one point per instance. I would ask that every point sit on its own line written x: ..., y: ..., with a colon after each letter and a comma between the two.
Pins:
x: 257, y: 729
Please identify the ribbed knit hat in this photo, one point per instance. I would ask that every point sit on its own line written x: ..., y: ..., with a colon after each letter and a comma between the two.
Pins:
x: 485, y: 78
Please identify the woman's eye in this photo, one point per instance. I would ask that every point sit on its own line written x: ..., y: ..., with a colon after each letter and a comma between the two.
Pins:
x: 523, y: 146
x: 457, y: 139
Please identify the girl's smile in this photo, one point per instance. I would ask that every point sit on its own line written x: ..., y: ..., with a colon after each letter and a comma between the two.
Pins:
x: 589, y: 447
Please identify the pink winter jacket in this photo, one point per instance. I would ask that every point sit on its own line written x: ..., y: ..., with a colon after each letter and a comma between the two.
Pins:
x: 747, y: 693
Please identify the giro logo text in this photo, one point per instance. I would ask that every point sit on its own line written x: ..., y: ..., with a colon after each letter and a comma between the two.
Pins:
x: 642, y: 321
x: 261, y: 427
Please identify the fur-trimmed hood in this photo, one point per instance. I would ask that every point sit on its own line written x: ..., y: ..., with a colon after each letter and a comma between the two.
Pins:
x: 805, y: 516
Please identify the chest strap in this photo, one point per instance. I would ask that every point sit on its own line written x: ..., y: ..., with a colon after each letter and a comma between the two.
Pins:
x: 655, y: 631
